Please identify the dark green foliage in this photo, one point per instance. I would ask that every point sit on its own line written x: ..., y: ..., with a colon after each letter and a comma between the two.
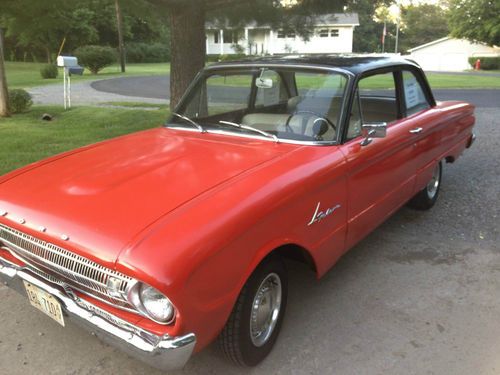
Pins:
x: 367, y: 36
x: 95, y: 58
x: 422, y: 24
x: 487, y: 63
x: 475, y: 20
x: 49, y: 71
x: 139, y: 52
x: 19, y: 100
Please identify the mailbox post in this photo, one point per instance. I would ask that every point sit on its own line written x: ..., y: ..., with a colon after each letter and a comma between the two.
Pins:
x: 70, y: 65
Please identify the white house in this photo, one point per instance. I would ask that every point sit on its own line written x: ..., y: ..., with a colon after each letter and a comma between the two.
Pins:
x: 332, y: 34
x: 449, y: 54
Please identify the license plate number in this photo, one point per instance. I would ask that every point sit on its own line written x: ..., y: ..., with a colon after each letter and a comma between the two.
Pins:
x: 44, y: 302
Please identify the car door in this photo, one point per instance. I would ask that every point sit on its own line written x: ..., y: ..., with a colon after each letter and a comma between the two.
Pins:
x: 381, y: 174
x: 425, y: 122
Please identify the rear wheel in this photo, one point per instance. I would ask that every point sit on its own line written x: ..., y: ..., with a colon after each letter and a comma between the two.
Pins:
x: 427, y: 197
x: 255, y: 322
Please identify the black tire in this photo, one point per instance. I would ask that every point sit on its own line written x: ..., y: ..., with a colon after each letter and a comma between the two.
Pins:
x: 236, y: 340
x: 427, y: 197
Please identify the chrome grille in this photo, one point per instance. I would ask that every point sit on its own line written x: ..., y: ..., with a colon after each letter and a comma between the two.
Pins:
x: 63, y: 267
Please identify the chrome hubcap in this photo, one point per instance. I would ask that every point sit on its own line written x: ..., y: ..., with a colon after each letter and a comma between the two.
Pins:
x: 265, y: 309
x: 433, y: 185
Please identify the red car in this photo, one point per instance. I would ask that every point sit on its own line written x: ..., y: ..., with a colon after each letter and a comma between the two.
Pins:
x: 165, y: 240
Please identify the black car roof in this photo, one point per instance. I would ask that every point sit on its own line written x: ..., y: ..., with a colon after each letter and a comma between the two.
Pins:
x: 355, y: 64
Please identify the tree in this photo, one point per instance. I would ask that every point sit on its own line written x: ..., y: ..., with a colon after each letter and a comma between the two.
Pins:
x: 119, y: 29
x: 44, y: 24
x: 4, y: 93
x: 187, y: 26
x: 475, y: 20
x: 367, y: 36
x: 422, y: 24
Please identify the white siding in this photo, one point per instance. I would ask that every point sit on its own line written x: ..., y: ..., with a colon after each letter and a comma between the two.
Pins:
x: 450, y: 54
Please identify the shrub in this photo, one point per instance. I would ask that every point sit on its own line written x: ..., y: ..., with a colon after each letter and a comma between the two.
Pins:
x: 217, y: 58
x: 147, y: 53
x: 19, y: 100
x: 487, y: 62
x: 95, y: 58
x: 49, y: 71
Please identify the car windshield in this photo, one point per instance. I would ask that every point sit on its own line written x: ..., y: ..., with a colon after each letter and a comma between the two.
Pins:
x: 278, y: 103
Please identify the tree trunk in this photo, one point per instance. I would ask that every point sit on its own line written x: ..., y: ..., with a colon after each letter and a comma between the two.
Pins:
x: 119, y: 27
x: 188, y: 46
x: 49, y: 56
x: 4, y: 94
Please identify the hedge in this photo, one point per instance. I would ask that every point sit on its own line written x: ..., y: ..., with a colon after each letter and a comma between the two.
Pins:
x: 147, y: 53
x: 487, y: 62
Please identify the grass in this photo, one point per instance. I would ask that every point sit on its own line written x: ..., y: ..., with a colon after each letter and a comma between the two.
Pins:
x: 25, y: 75
x: 25, y: 138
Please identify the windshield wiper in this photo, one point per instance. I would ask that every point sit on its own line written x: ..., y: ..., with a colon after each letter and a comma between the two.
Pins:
x: 246, y: 127
x: 192, y: 122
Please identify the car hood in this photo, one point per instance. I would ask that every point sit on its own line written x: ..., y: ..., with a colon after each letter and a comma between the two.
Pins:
x: 103, y: 196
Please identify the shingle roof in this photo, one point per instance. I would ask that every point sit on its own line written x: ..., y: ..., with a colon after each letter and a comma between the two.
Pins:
x: 331, y: 19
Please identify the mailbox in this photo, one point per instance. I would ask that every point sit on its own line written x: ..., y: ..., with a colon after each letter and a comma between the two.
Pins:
x: 78, y: 70
x: 70, y: 65
x: 67, y: 61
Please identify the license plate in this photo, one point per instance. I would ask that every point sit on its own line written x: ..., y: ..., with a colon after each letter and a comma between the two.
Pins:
x: 44, y: 302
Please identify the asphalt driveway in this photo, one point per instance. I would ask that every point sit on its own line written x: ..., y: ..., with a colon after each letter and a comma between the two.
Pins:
x: 158, y: 87
x: 420, y: 295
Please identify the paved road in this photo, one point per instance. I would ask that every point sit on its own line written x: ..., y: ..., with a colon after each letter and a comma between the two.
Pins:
x: 158, y: 87
x: 420, y: 295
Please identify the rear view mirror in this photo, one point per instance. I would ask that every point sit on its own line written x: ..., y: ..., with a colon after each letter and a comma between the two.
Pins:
x: 264, y: 83
x: 373, y: 130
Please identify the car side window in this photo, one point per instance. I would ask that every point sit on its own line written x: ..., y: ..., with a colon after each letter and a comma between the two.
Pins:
x: 415, y: 99
x: 374, y: 101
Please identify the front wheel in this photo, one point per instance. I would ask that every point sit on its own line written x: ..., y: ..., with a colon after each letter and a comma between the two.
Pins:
x: 254, y: 324
x: 427, y: 197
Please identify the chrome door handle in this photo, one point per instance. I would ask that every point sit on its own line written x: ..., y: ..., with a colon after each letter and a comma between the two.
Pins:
x: 416, y: 130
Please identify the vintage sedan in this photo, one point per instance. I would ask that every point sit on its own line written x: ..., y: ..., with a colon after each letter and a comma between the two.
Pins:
x: 164, y: 240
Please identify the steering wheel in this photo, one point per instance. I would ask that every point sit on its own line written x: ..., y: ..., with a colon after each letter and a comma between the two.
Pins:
x: 319, y: 117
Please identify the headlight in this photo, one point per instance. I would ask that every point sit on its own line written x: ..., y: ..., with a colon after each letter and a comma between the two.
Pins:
x: 155, y: 304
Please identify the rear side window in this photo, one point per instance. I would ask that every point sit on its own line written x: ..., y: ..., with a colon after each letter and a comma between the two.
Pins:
x: 415, y: 99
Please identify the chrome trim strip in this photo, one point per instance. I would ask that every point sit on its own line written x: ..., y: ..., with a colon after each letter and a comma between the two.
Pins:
x: 76, y: 270
x: 163, y: 352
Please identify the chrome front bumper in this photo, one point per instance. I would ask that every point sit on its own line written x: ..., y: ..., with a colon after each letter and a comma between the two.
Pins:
x: 162, y: 352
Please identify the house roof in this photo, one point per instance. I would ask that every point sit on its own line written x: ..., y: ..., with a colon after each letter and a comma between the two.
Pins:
x: 331, y: 19
x: 437, y: 41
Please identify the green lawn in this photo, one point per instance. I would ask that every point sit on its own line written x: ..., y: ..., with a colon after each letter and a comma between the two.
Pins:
x: 25, y: 138
x: 24, y: 75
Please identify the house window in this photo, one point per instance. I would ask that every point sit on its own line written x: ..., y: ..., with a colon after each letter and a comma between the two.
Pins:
x: 334, y: 33
x: 281, y: 34
x: 216, y: 37
x: 230, y: 36
x: 291, y: 35
x: 323, y: 33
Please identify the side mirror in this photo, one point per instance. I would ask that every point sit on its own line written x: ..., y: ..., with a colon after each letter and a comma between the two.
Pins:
x: 373, y: 130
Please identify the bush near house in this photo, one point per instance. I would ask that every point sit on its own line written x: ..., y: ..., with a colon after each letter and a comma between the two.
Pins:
x: 95, y: 58
x: 217, y: 58
x: 49, y: 71
x: 19, y: 100
x: 487, y: 62
x: 147, y: 53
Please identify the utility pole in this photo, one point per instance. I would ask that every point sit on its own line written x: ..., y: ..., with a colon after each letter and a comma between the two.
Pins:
x: 397, y: 36
x: 119, y: 26
x: 4, y: 93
